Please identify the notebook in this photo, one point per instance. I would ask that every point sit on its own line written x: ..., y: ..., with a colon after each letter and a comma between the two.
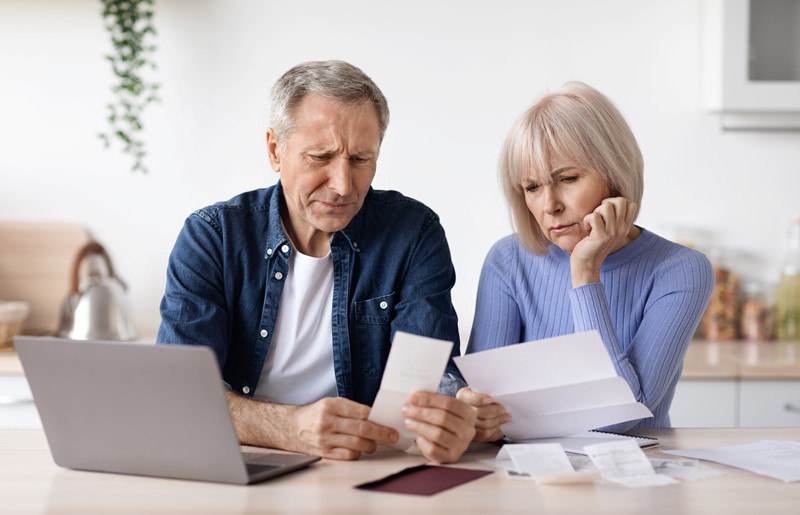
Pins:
x: 576, y: 443
x: 132, y: 408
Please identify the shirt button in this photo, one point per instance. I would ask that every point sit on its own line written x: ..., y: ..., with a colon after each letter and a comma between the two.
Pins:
x: 355, y: 244
x: 264, y: 333
x: 246, y: 390
x: 285, y: 249
x: 269, y: 252
x: 278, y: 276
x: 384, y: 304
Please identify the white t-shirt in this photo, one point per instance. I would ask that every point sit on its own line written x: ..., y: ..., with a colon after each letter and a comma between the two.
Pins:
x: 299, y: 366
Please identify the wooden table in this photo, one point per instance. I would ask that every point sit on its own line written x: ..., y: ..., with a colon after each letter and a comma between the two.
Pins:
x: 31, y: 482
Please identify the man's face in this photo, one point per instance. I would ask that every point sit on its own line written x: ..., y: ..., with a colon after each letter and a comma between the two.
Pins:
x: 327, y: 165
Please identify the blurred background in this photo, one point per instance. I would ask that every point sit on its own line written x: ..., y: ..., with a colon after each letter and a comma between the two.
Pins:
x: 456, y: 73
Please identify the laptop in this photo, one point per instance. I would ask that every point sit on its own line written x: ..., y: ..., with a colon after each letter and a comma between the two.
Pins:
x: 132, y: 408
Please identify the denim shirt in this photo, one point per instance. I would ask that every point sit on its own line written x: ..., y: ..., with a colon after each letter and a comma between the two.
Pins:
x: 392, y: 271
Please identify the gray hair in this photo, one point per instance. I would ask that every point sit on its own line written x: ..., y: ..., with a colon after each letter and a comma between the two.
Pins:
x: 332, y: 79
x: 578, y: 125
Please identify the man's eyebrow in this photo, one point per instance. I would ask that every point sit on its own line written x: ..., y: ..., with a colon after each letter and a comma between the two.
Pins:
x: 316, y: 148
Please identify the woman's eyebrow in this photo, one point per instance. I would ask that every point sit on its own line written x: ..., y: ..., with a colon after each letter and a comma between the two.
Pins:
x: 561, y: 170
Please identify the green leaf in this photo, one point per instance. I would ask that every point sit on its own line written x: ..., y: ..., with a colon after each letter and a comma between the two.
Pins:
x: 129, y: 24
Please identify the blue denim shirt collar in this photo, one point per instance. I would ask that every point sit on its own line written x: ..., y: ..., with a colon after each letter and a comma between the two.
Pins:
x: 276, y: 237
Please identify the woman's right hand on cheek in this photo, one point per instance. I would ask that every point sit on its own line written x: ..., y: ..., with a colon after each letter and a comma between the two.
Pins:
x: 490, y: 414
x: 607, y: 228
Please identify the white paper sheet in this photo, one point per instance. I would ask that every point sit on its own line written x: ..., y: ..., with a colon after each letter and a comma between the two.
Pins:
x: 553, y: 387
x: 624, y: 462
x: 544, y: 463
x: 416, y: 363
x: 779, y: 459
x: 689, y: 470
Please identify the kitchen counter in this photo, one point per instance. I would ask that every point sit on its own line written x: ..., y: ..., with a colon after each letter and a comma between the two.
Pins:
x: 704, y: 360
x: 742, y: 360
x: 9, y: 363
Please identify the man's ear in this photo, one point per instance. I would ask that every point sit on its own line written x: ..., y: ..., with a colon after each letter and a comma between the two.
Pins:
x: 273, y: 150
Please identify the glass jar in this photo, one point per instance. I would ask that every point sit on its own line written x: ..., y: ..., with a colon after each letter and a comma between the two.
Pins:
x: 720, y: 321
x: 758, y: 312
x: 789, y: 286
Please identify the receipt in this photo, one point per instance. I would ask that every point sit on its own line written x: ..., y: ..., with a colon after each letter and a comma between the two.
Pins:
x: 416, y: 363
x: 624, y: 462
x: 547, y: 463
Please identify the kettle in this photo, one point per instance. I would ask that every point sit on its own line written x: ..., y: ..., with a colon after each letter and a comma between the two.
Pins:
x: 96, y: 307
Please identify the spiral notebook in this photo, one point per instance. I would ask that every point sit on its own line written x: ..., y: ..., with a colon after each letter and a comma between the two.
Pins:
x: 576, y: 443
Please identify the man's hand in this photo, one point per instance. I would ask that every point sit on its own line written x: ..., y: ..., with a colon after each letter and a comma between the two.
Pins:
x: 444, y: 425
x: 490, y: 415
x: 335, y: 428
x: 338, y: 428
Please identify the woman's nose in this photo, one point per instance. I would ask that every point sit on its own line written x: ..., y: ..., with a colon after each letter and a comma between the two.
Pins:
x: 551, y: 199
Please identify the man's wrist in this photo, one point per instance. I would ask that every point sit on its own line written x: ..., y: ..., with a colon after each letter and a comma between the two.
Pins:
x: 262, y: 424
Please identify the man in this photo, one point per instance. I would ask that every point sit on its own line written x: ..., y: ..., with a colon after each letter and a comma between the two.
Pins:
x: 300, y: 287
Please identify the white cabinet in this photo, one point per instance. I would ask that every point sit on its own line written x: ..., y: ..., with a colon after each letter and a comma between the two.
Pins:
x: 736, y: 403
x: 16, y: 404
x: 769, y: 403
x: 704, y: 403
x: 751, y: 62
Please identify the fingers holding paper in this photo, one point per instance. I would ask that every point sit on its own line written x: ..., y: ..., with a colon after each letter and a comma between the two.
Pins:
x: 338, y: 428
x: 444, y: 426
x: 490, y: 415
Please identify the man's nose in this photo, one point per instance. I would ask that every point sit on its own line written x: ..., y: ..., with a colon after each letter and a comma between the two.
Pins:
x: 340, y: 177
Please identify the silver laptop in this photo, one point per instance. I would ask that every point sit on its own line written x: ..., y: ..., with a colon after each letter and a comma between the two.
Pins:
x: 131, y: 408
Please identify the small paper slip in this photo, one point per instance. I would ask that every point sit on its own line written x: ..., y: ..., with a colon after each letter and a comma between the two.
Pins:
x: 624, y: 462
x: 779, y: 459
x: 553, y: 387
x: 416, y: 363
x: 684, y: 469
x: 547, y: 463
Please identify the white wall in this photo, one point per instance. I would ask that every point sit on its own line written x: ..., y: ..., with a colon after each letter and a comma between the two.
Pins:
x: 456, y: 74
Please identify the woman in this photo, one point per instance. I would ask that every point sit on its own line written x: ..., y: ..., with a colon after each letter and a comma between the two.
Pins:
x: 572, y: 172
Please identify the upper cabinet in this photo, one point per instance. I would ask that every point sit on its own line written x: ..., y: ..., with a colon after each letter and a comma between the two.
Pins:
x: 752, y: 62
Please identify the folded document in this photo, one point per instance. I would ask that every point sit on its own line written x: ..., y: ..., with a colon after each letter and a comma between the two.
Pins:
x: 553, y: 387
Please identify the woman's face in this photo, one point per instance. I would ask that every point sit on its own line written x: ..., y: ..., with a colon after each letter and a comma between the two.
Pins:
x: 560, y: 204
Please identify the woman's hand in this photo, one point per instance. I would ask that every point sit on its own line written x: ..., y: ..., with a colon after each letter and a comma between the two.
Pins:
x: 490, y: 415
x: 609, y: 228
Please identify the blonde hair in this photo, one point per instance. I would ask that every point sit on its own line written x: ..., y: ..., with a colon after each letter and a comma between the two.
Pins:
x: 577, y: 125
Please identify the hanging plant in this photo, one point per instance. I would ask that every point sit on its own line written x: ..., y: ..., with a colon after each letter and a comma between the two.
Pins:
x: 130, y: 25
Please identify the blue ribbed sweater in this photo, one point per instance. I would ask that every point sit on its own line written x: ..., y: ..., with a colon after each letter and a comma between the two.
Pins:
x: 646, y: 307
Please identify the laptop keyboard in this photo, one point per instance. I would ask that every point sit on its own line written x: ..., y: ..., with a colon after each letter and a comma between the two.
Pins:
x: 255, y: 468
x: 259, y: 462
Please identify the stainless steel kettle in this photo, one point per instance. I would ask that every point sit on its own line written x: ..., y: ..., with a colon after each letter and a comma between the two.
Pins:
x: 96, y: 307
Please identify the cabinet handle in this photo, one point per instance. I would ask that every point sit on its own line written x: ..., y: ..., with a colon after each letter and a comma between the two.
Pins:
x: 792, y: 407
x: 6, y: 400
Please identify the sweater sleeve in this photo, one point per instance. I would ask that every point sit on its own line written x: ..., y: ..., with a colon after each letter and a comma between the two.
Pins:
x: 653, y: 361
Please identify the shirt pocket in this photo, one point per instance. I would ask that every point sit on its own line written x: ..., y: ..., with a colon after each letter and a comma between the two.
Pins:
x: 373, y: 330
